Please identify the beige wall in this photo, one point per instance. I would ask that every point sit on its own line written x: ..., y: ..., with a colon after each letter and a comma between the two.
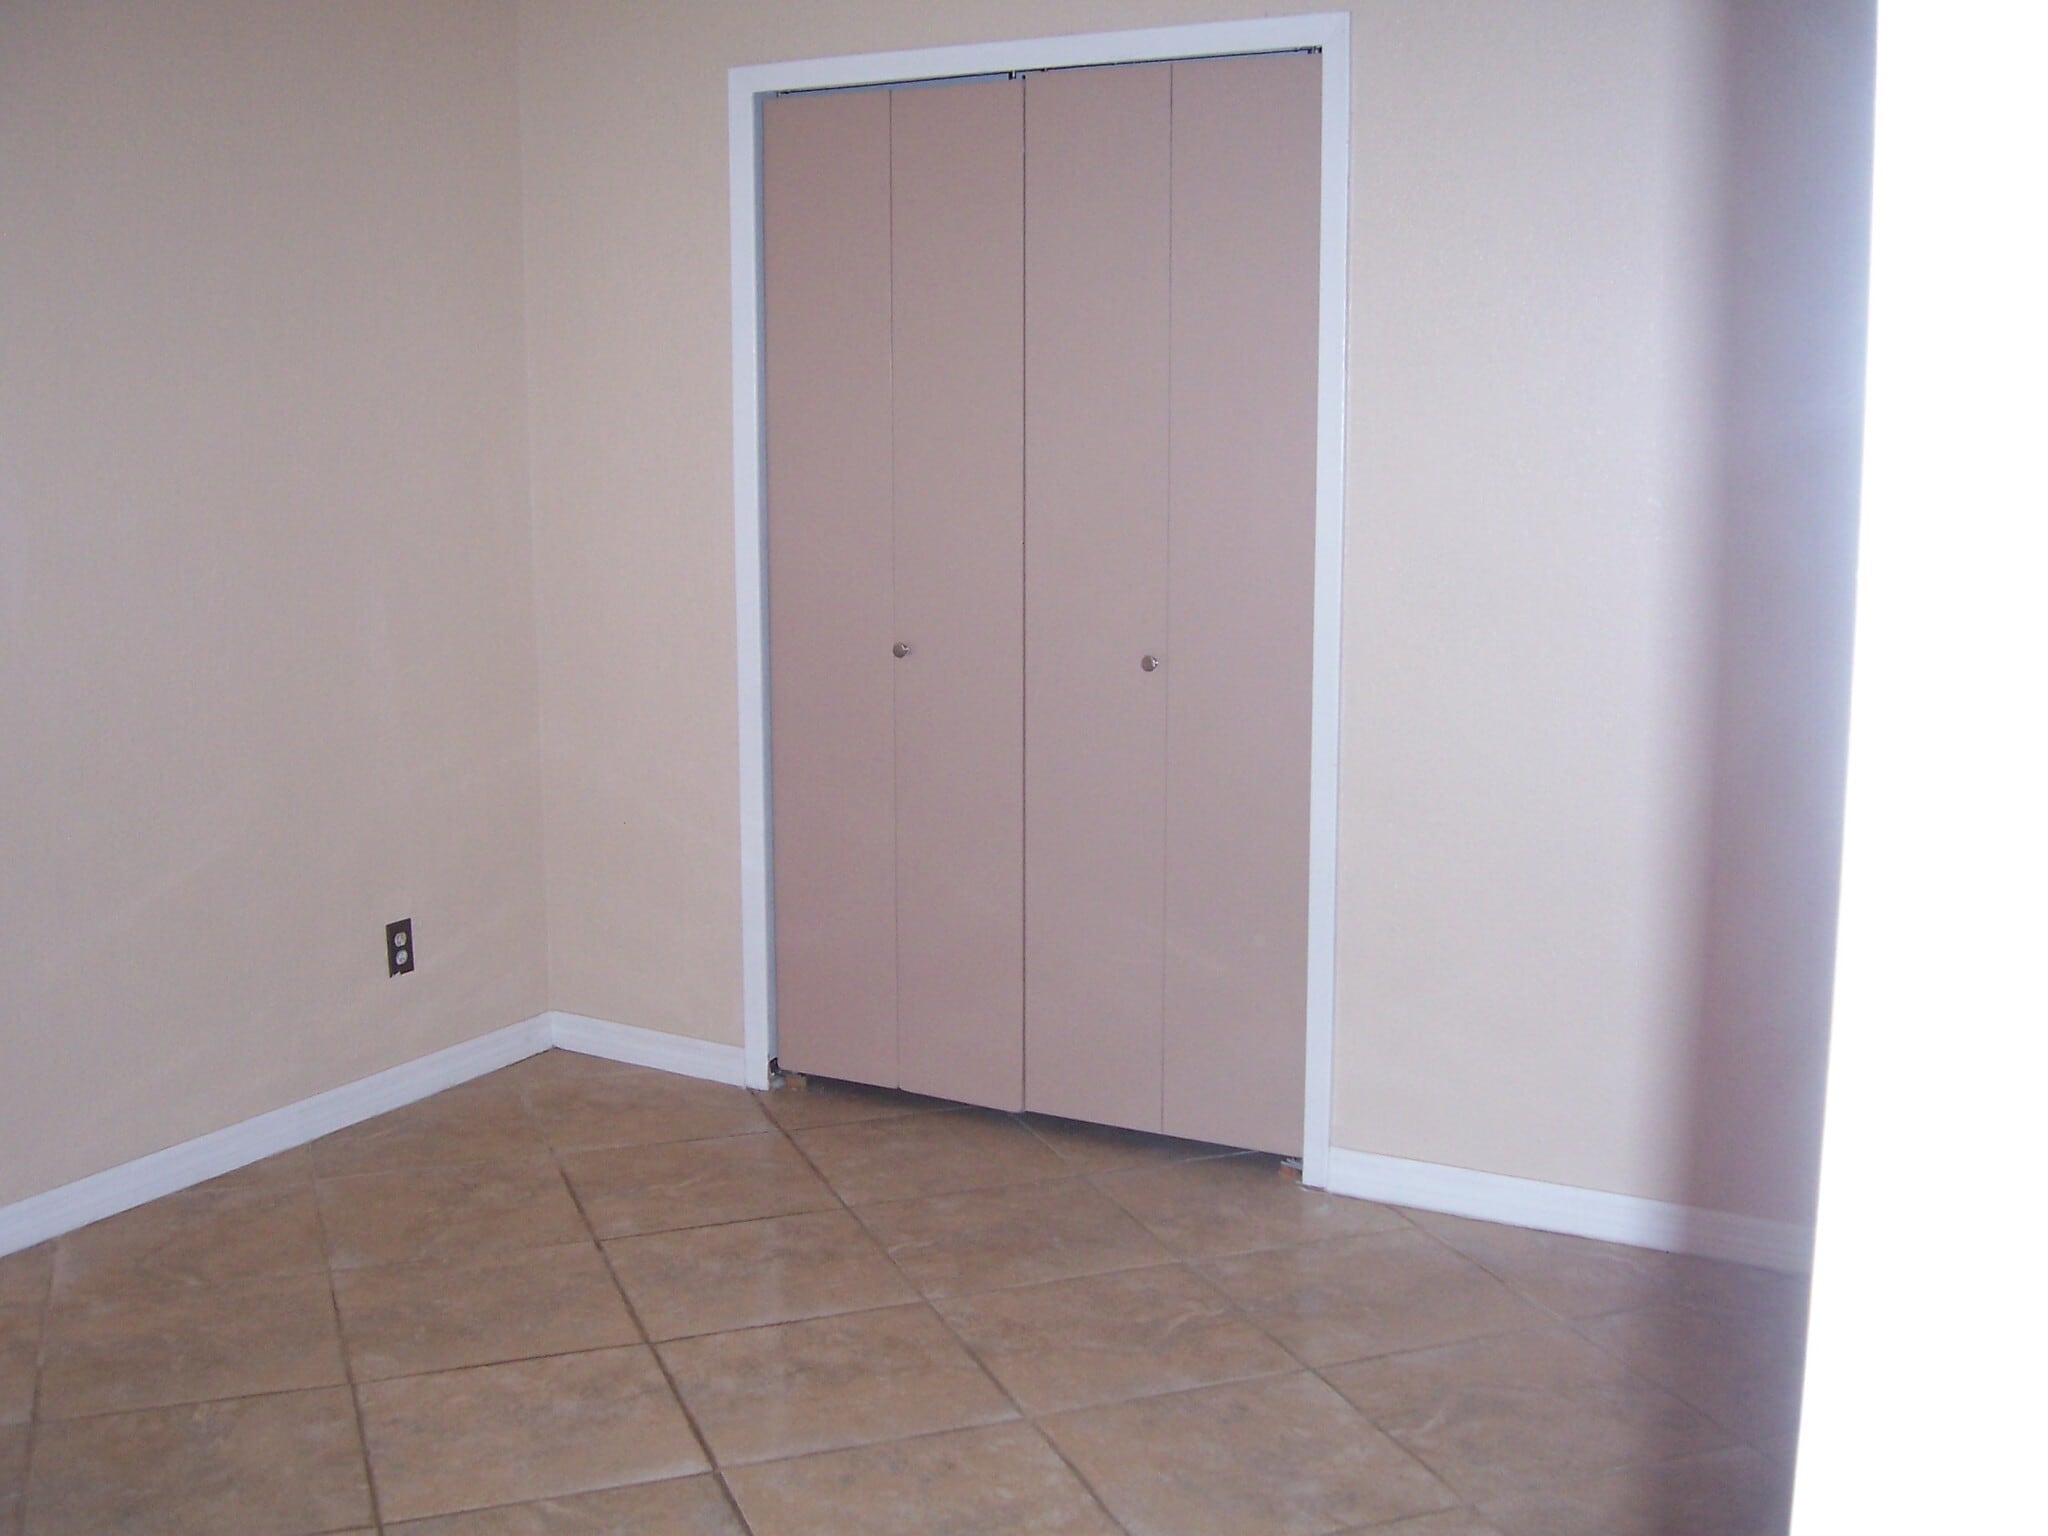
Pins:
x: 623, y: 138
x: 1606, y: 404
x: 1794, y: 207
x: 1564, y: 790
x: 266, y: 634
x: 1526, y: 588
x: 288, y: 654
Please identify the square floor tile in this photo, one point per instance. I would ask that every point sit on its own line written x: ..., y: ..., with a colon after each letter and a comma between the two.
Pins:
x: 1743, y: 1370
x: 1016, y: 1235
x: 687, y: 1506
x: 250, y: 1224
x: 402, y: 1320
x: 830, y: 1382
x: 475, y: 1122
x: 1523, y: 1410
x: 1737, y: 1492
x: 936, y: 1154
x: 619, y: 1109
x: 1369, y: 1296
x: 797, y: 1103
x: 1001, y: 1481
x: 288, y: 1464
x: 1076, y: 1343
x: 676, y: 1184
x: 1237, y: 1204
x: 1282, y: 1456
x: 450, y: 1211
x: 531, y: 1429
x: 747, y: 1273
x: 106, y: 1354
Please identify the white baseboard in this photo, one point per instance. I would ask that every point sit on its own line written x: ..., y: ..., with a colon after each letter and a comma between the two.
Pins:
x: 1368, y: 1175
x: 681, y: 1054
x: 71, y: 1206
x: 1630, y: 1219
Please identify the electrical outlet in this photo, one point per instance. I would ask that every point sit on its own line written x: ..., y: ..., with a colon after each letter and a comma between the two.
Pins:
x: 398, y: 945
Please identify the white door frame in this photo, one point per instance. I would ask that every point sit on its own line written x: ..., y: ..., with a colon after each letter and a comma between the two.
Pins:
x: 745, y: 87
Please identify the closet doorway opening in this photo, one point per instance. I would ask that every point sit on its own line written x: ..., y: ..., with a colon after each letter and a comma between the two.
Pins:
x: 1327, y: 37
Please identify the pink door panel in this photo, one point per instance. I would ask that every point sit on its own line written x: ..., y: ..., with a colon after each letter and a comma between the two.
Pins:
x: 1097, y: 155
x: 825, y: 215
x: 1245, y: 221
x: 958, y: 213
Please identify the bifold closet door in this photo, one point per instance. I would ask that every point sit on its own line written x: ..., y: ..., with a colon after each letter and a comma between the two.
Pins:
x: 831, y: 619
x: 1040, y: 775
x: 1096, y: 158
x: 893, y: 284
x: 1246, y: 162
x: 958, y: 216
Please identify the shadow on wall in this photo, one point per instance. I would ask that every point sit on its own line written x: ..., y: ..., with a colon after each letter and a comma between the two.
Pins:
x: 1795, y: 215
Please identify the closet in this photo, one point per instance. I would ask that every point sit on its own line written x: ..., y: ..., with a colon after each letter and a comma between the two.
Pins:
x: 1040, y: 404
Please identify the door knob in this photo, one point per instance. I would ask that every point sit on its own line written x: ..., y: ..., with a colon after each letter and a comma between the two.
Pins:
x: 1151, y: 663
x: 899, y: 650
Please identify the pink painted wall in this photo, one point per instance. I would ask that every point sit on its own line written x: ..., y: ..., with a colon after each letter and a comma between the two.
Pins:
x: 267, y: 650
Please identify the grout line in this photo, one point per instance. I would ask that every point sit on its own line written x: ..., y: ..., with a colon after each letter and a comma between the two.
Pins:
x: 703, y: 1226
x: 449, y: 1370
x: 665, y: 1141
x: 787, y: 1322
x: 1079, y: 1476
x: 202, y: 1402
x: 347, y: 1361
x: 1098, y: 1177
x: 1030, y: 1118
x: 1686, y: 1397
x: 1513, y: 1289
x: 795, y: 1084
x: 1398, y: 1442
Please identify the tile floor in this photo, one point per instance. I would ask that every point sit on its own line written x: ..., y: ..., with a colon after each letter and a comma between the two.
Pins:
x: 580, y: 1297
